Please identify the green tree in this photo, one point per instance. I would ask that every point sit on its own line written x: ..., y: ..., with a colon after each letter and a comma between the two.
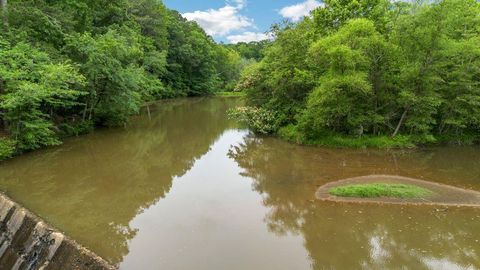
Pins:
x: 191, y: 58
x: 373, y: 67
x: 228, y: 66
x: 335, y: 13
x: 4, y: 10
x: 110, y: 64
x: 152, y: 17
x: 36, y: 94
x: 127, y: 52
x: 285, y: 80
x: 350, y: 94
x: 250, y: 50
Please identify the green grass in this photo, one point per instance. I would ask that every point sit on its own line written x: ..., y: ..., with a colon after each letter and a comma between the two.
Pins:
x: 230, y: 94
x: 378, y: 190
x: 383, y: 142
x: 290, y: 133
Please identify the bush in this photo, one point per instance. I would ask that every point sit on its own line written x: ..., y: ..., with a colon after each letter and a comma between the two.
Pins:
x: 7, y: 148
x: 291, y: 133
x: 258, y: 120
x: 76, y: 128
x: 230, y: 94
x: 36, y: 90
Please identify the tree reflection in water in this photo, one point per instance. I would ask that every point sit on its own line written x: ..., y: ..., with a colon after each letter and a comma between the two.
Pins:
x: 348, y: 236
x: 94, y: 185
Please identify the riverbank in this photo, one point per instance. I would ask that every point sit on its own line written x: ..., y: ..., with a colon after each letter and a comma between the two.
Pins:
x: 230, y: 94
x: 290, y: 133
x: 9, y: 149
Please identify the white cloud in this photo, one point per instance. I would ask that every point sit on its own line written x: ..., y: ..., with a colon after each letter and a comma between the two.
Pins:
x: 221, y: 21
x: 248, y: 37
x: 298, y: 11
x: 239, y: 3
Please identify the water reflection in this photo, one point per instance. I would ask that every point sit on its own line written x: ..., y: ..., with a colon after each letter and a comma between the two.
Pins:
x: 94, y: 185
x: 184, y: 189
x: 343, y: 236
x: 211, y: 219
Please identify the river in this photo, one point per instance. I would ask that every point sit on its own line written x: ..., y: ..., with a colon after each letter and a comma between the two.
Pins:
x: 186, y: 188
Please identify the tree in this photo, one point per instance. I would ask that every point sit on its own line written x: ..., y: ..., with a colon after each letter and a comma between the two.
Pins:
x: 335, y: 13
x: 110, y: 62
x: 284, y: 79
x: 350, y: 90
x: 4, y: 8
x: 191, y: 58
x: 459, y: 69
x: 152, y: 17
x: 37, y: 92
x: 228, y: 66
x: 251, y: 50
x: 374, y: 68
x: 119, y: 53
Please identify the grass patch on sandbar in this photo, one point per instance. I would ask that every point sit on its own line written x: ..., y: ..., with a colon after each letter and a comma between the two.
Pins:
x: 378, y: 190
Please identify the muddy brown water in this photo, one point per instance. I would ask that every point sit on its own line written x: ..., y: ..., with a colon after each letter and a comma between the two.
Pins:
x: 188, y: 189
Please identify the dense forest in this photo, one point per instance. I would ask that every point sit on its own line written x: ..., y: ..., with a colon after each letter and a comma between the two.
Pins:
x: 370, y: 73
x: 252, y: 50
x: 69, y: 66
x: 355, y: 73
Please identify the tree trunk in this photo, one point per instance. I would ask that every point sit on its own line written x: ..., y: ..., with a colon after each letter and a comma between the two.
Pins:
x: 84, y: 116
x: 400, y: 123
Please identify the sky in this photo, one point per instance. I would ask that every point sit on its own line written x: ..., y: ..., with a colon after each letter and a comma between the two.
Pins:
x: 233, y: 21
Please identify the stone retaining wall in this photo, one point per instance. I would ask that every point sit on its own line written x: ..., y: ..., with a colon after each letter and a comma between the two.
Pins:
x: 28, y: 243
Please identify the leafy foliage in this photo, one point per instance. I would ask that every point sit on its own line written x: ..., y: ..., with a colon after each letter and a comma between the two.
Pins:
x: 258, y: 119
x: 7, y: 148
x: 373, y: 68
x: 252, y: 50
x: 110, y: 63
x: 36, y: 92
x: 66, y: 66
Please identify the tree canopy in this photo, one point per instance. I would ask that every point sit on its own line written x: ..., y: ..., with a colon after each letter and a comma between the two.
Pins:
x: 373, y: 68
x: 67, y: 66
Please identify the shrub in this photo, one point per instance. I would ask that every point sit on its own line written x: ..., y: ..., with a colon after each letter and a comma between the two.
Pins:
x: 76, y: 128
x: 258, y: 119
x: 7, y: 148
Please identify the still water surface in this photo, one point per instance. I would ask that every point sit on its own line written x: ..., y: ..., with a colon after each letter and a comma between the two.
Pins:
x: 187, y: 189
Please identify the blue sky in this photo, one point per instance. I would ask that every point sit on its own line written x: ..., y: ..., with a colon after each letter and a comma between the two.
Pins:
x: 233, y: 21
